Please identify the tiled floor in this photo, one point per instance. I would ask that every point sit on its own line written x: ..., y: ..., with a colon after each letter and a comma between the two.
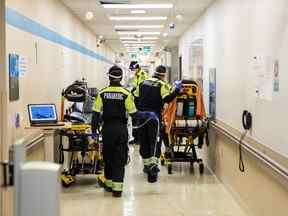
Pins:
x: 183, y: 193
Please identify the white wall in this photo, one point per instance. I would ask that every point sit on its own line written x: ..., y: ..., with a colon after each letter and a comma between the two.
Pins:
x: 56, y: 66
x: 233, y: 33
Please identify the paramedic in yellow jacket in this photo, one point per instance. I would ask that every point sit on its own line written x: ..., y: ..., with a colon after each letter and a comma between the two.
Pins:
x: 114, y: 102
x: 152, y: 94
x: 140, y: 75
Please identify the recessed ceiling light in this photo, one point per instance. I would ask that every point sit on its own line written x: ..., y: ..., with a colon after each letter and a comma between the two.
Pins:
x: 137, y: 42
x: 138, y: 11
x: 165, y: 34
x: 89, y: 15
x: 134, y: 18
x: 137, y: 33
x: 144, y: 38
x: 138, y: 26
x: 179, y: 17
x: 138, y: 6
x: 137, y: 45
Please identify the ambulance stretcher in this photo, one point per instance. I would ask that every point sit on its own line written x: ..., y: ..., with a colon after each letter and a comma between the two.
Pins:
x: 186, y: 127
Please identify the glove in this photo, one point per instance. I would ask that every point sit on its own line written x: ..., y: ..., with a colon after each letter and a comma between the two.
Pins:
x: 178, y: 85
x: 94, y: 136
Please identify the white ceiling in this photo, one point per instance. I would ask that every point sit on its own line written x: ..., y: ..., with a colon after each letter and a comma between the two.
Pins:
x: 101, y: 25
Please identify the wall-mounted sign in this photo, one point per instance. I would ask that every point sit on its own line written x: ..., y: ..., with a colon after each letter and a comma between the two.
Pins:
x: 14, y: 77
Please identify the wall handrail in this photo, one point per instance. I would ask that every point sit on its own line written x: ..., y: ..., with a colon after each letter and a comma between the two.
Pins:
x: 278, y: 168
x: 31, y: 142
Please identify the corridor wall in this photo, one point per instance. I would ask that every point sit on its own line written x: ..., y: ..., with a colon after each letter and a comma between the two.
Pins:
x: 58, y: 49
x: 234, y: 34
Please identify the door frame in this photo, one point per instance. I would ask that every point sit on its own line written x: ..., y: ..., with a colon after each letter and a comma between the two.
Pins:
x: 3, y: 90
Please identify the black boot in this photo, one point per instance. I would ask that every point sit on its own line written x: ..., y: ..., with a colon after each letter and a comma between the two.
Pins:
x: 152, y: 178
x: 153, y: 173
x: 107, y: 189
x: 146, y: 169
x: 117, y: 193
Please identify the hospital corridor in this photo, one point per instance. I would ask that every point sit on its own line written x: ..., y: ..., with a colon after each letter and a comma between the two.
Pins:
x: 143, y: 107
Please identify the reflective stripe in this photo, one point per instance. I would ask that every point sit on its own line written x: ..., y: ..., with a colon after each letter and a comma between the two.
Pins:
x: 117, y: 186
x: 154, y: 160
x: 115, y: 89
x: 109, y: 183
x: 146, y: 161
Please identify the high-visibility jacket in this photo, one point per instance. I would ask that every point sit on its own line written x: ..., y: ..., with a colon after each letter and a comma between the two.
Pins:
x: 115, y: 102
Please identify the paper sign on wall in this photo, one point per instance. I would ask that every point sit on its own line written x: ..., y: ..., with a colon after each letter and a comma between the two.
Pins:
x: 263, y: 72
x: 276, y: 86
x: 212, y: 93
x: 23, y: 65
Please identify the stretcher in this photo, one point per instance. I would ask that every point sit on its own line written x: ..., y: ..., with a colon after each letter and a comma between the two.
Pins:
x: 83, y: 154
x: 186, y: 127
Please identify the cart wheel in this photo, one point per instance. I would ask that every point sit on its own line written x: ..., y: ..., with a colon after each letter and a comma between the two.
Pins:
x: 191, y: 166
x: 169, y: 169
x: 201, y: 168
x: 162, y: 162
x: 67, y: 180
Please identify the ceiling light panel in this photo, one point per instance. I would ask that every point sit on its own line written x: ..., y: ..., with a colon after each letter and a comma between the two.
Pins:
x: 137, y: 33
x: 136, y: 42
x: 137, y: 45
x: 138, y: 26
x: 138, y: 6
x: 138, y: 11
x: 136, y: 39
x: 134, y: 18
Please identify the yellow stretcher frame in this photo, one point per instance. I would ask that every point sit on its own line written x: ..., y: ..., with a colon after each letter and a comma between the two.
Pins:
x: 66, y: 178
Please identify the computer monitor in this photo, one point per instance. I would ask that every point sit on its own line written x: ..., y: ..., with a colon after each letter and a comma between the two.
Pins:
x: 42, y: 113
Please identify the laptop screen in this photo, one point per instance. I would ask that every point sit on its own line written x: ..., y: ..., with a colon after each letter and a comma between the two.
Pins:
x: 42, y: 113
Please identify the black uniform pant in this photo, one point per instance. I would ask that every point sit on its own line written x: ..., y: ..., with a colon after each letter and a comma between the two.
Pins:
x: 150, y: 147
x: 115, y: 153
x: 135, y: 123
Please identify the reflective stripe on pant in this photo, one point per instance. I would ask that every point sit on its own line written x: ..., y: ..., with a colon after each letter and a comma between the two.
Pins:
x: 149, y: 147
x: 108, y: 183
x: 151, y: 160
x: 117, y: 186
x: 115, y: 151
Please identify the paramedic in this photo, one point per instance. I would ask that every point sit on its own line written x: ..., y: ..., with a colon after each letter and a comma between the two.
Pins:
x: 140, y: 75
x: 114, y: 101
x: 152, y: 94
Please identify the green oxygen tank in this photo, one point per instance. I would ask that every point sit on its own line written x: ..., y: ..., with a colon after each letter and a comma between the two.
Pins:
x: 191, y: 109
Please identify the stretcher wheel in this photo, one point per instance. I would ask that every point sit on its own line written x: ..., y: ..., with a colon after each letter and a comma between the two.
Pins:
x: 201, y: 168
x: 191, y: 166
x: 67, y: 180
x: 162, y: 162
x: 169, y: 169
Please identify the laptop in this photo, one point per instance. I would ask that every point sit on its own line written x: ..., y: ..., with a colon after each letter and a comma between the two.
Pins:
x: 43, y: 115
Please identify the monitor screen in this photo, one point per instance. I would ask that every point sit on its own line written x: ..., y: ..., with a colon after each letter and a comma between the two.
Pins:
x: 42, y: 112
